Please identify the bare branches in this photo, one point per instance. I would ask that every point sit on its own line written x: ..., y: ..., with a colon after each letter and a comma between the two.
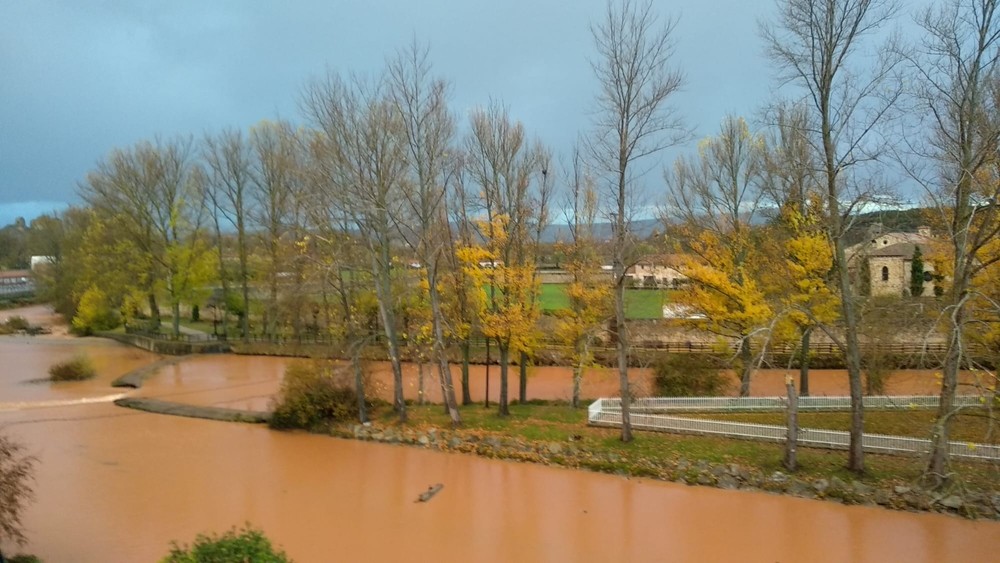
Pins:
x: 16, y: 474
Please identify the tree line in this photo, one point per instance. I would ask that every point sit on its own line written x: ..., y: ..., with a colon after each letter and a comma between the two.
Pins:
x: 380, y: 211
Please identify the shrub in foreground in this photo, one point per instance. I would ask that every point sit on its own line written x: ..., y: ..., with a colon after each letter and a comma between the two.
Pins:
x: 16, y: 475
x: 234, y: 546
x: 688, y: 375
x: 313, y: 395
x: 76, y: 369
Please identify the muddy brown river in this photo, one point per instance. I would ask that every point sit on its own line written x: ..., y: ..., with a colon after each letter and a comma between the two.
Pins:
x: 118, y: 485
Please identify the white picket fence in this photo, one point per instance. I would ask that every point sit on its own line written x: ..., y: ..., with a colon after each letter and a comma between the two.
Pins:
x: 770, y: 404
x: 607, y: 412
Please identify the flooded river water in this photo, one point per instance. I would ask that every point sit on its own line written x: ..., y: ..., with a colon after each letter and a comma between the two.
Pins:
x: 117, y: 485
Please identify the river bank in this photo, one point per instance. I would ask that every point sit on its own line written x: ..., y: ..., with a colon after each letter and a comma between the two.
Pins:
x: 144, y: 479
x: 555, y: 434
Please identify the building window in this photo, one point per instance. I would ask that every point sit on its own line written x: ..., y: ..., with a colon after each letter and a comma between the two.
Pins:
x: 885, y: 273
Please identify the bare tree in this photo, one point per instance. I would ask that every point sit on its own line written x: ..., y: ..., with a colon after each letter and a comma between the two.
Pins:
x: 502, y: 164
x: 428, y: 129
x: 275, y: 170
x: 361, y: 133
x: 588, y: 291
x: 818, y: 45
x: 461, y: 235
x: 958, y: 119
x: 229, y: 162
x: 155, y: 200
x: 789, y: 183
x: 634, y: 120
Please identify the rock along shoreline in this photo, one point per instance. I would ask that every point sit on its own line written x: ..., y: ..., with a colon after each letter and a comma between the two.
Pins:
x: 908, y: 497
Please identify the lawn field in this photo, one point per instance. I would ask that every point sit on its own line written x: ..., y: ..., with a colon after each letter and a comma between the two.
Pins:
x: 639, y: 303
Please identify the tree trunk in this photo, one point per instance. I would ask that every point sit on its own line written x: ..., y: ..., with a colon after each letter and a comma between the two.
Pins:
x: 466, y: 395
x: 577, y: 378
x: 244, y: 279
x: 392, y: 344
x: 444, y: 370
x: 856, y: 455
x: 622, y: 350
x: 746, y: 358
x: 937, y: 466
x: 154, y: 313
x: 791, y: 443
x: 522, y: 390
x: 359, y: 384
x: 487, y: 394
x: 420, y: 383
x: 272, y: 308
x: 175, y: 310
x: 504, y: 363
x: 804, y: 362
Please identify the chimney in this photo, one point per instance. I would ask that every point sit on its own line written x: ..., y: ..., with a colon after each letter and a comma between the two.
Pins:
x: 924, y: 231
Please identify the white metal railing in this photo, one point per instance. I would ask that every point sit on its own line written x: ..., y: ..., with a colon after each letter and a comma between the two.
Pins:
x: 607, y: 412
x: 764, y: 404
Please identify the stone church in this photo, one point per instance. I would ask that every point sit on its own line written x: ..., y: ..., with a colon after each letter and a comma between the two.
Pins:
x: 890, y: 261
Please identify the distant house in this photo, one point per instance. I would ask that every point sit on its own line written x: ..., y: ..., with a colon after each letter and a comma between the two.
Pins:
x: 889, y: 259
x: 16, y: 282
x: 660, y: 271
x: 40, y: 261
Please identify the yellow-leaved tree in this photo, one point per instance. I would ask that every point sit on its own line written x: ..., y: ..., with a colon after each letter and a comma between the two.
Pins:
x: 804, y: 282
x: 712, y: 201
x: 507, y: 290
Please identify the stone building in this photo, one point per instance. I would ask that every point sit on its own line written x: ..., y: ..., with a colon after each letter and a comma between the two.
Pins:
x: 890, y: 270
x: 889, y: 258
x: 661, y: 271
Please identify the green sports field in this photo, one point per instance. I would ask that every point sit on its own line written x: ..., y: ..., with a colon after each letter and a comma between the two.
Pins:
x: 639, y: 303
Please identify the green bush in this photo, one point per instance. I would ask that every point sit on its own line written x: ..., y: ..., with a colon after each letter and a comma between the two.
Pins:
x: 76, y: 369
x: 14, y: 324
x: 235, y: 546
x: 22, y: 558
x: 313, y: 395
x: 688, y: 375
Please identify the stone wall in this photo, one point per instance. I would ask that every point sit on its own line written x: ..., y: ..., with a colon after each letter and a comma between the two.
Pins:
x: 898, y: 283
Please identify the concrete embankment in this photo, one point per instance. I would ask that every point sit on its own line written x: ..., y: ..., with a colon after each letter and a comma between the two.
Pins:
x: 135, y: 379
x: 168, y: 347
x: 191, y: 411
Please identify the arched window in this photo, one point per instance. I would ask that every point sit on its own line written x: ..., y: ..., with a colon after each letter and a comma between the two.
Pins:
x: 885, y: 273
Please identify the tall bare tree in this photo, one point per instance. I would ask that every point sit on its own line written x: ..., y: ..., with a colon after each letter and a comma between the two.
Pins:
x: 956, y: 101
x: 428, y: 130
x: 588, y: 291
x: 362, y: 136
x: 819, y: 47
x: 503, y: 164
x: 276, y: 174
x: 229, y: 161
x: 635, y: 120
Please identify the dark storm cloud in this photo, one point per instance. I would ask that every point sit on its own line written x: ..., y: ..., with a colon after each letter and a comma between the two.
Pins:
x: 80, y: 78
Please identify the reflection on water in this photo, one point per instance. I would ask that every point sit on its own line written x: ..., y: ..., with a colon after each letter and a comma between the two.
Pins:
x: 118, y: 485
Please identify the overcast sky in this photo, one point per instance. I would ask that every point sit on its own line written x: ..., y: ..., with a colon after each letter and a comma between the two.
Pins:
x: 78, y: 78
